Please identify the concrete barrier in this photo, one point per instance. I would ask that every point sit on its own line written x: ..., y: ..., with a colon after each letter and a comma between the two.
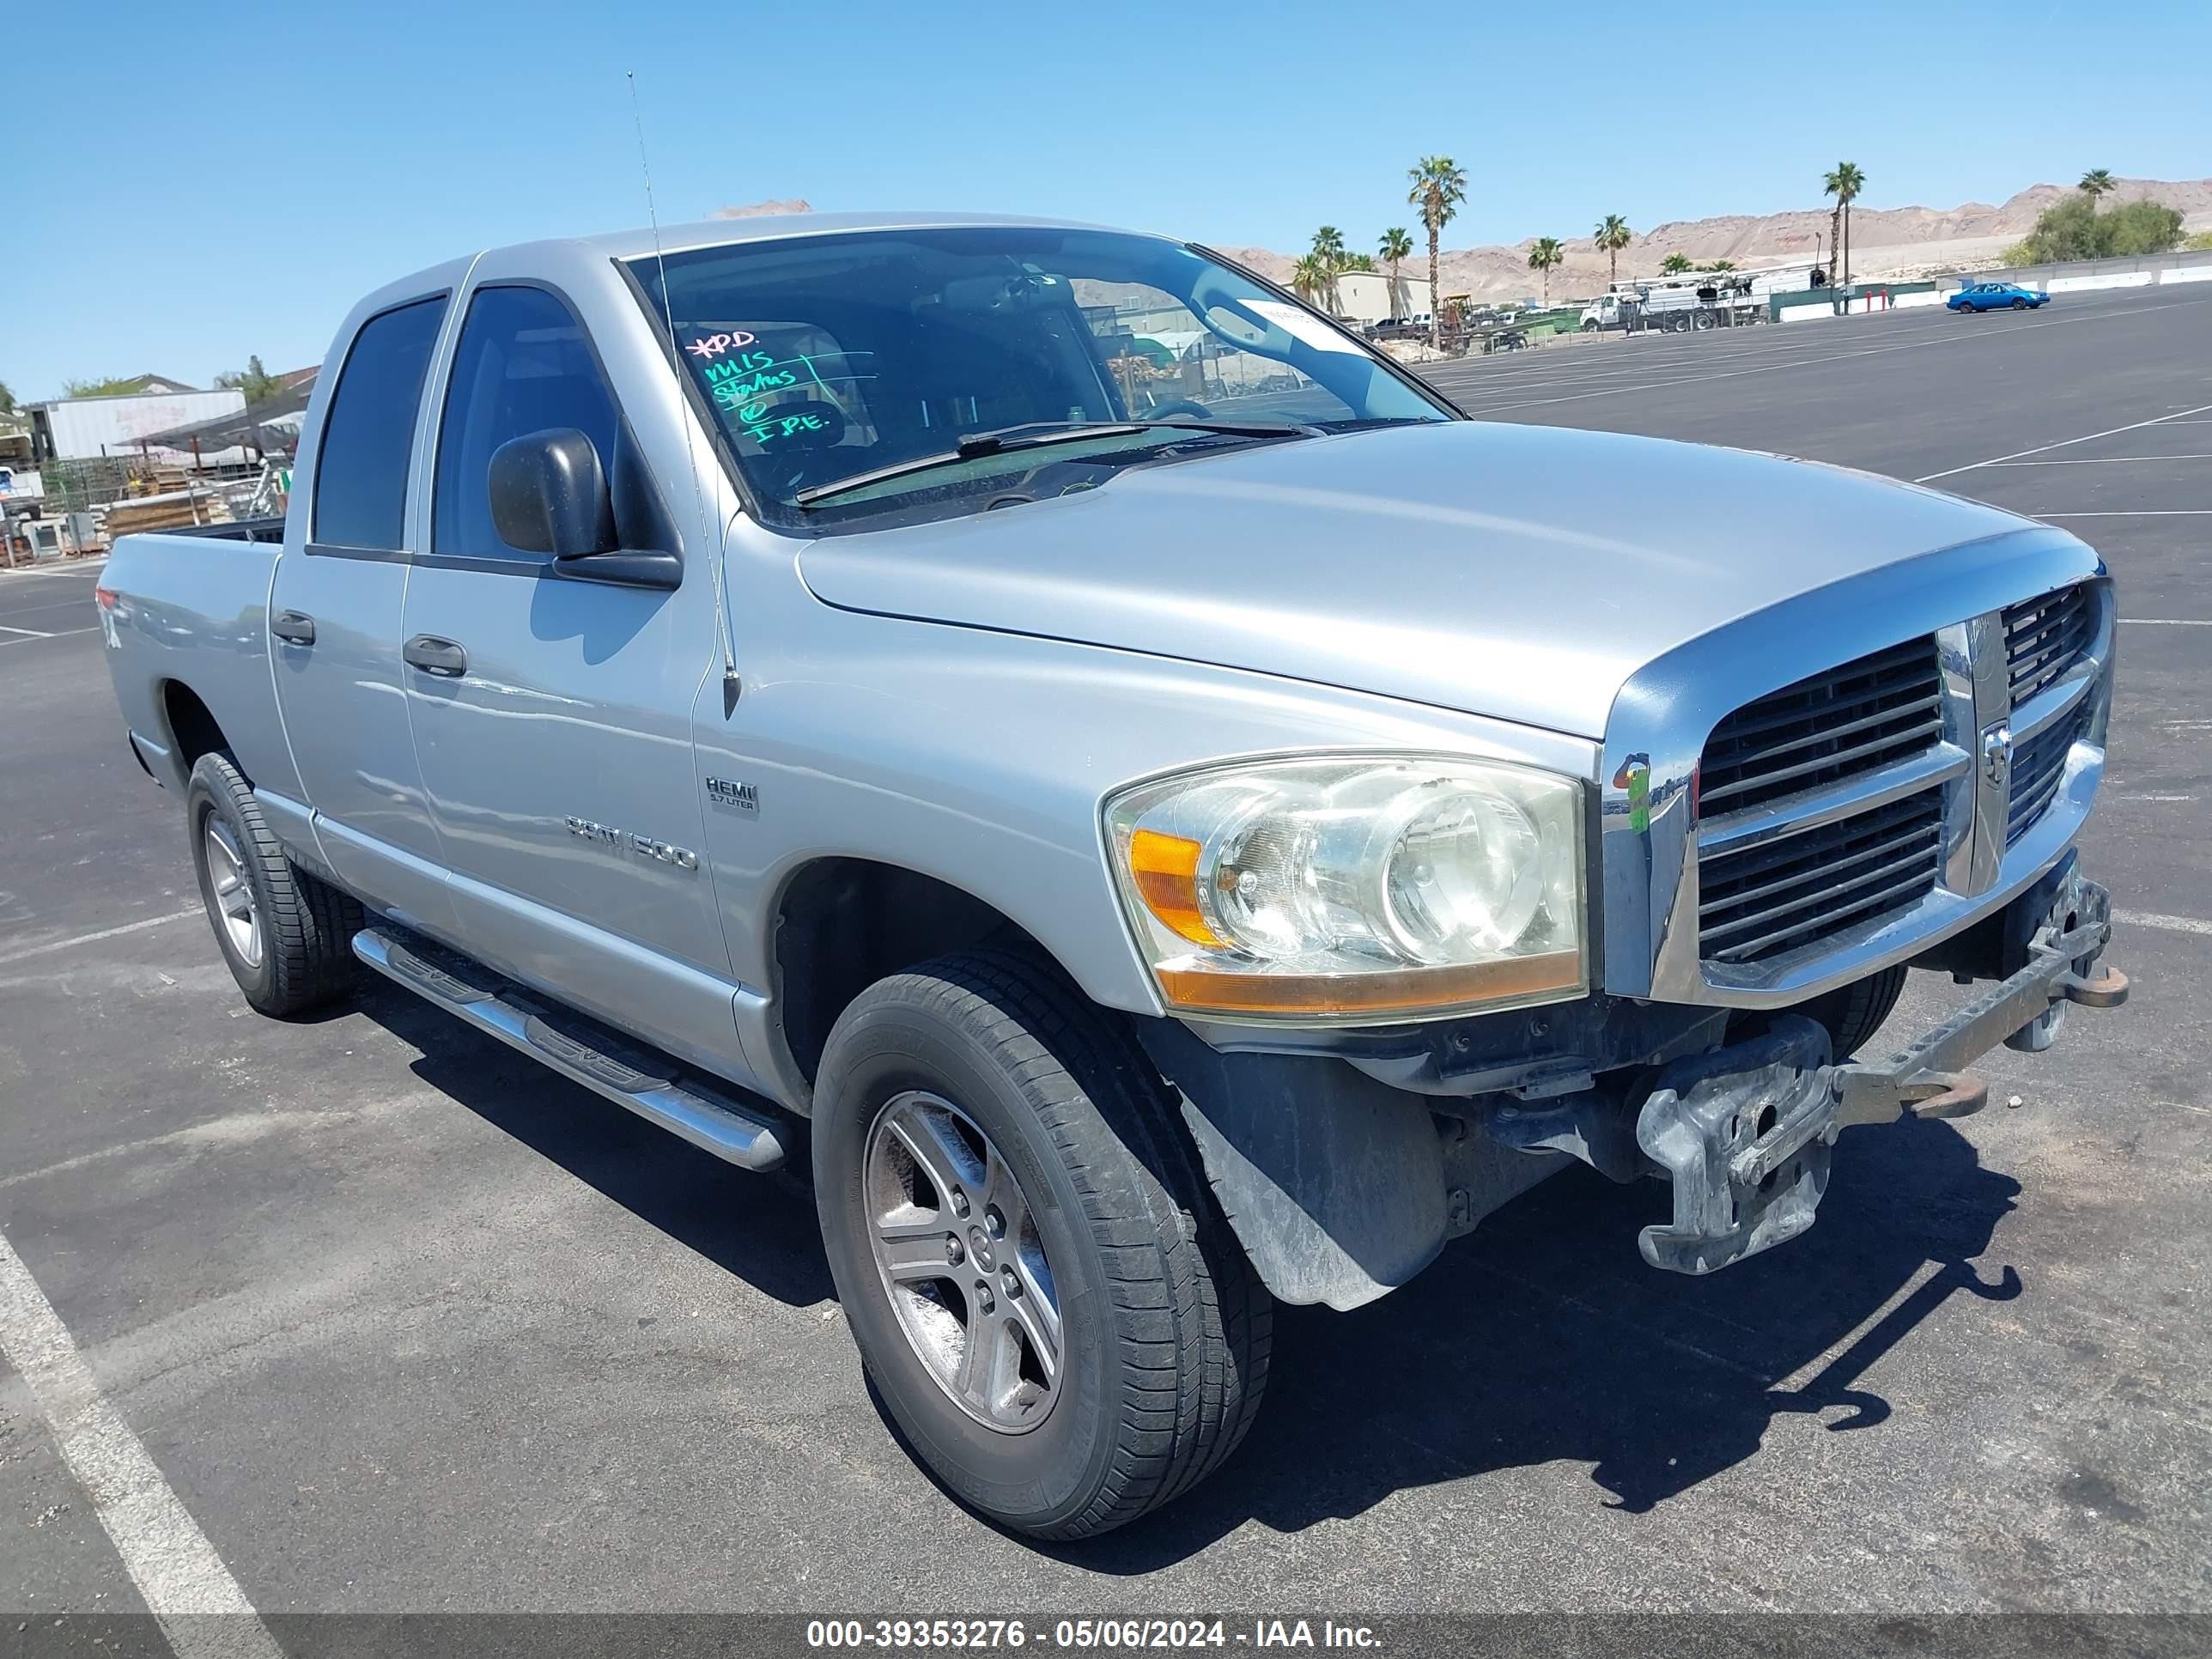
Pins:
x: 2081, y: 276
x: 2111, y: 279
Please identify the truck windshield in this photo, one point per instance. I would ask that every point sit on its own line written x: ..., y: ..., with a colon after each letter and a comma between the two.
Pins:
x: 839, y: 360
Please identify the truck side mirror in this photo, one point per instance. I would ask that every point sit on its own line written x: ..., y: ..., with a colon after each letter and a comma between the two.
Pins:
x: 549, y: 495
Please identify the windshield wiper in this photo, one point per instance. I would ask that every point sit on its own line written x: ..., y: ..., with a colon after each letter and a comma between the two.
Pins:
x: 1036, y: 434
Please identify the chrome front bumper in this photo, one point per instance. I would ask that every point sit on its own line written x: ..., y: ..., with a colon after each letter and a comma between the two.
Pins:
x: 1650, y: 834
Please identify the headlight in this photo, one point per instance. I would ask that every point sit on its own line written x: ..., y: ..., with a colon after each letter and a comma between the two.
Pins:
x: 1354, y: 890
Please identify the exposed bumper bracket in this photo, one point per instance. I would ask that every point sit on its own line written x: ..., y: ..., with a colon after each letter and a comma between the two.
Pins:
x: 1744, y: 1133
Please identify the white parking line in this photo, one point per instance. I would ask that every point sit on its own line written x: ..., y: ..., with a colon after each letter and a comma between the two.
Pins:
x: 2151, y: 919
x: 33, y: 632
x: 2134, y: 512
x: 2169, y: 621
x: 59, y: 634
x: 2064, y: 443
x: 51, y: 946
x: 2100, y: 460
x: 168, y: 1557
x: 92, y: 569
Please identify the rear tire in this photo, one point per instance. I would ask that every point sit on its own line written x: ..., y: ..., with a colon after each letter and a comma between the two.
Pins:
x: 287, y: 937
x: 1163, y: 1329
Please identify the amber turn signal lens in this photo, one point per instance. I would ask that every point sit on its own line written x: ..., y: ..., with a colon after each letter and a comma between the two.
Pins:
x: 1166, y: 869
x: 1385, y: 995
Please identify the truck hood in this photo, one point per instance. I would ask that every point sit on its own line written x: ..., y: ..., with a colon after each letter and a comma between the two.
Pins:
x: 1518, y: 572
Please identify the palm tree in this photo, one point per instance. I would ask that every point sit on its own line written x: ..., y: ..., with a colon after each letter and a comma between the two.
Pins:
x: 2097, y: 182
x: 1439, y: 189
x: 1309, y: 276
x: 1542, y: 257
x: 1844, y: 184
x: 1395, y: 245
x: 1328, y: 248
x: 1674, y: 263
x: 1612, y: 234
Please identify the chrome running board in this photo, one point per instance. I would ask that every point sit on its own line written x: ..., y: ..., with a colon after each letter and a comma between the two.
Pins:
x: 580, y: 1049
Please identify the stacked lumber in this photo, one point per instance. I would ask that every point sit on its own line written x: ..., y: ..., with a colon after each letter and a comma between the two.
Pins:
x: 169, y: 511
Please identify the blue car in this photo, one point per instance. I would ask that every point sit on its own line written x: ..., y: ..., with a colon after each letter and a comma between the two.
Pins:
x: 1996, y: 297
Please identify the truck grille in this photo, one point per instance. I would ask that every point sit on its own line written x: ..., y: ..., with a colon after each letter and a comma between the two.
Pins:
x: 2037, y: 765
x: 2045, y: 638
x: 1760, y: 901
x: 1825, y: 729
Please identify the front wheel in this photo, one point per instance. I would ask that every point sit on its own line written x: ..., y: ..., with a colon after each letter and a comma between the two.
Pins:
x: 2020, y: 304
x: 1048, y: 1301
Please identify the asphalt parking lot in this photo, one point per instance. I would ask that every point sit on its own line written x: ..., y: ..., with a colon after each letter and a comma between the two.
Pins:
x: 404, y: 1323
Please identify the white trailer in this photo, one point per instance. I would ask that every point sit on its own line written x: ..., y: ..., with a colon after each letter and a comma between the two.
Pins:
x: 1695, y: 299
x: 85, y: 428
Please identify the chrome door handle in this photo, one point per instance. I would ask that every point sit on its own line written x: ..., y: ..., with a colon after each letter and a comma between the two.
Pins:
x: 293, y: 627
x: 435, y: 656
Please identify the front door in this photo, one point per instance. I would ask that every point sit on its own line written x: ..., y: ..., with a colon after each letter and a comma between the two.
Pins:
x: 335, y: 614
x: 552, y: 716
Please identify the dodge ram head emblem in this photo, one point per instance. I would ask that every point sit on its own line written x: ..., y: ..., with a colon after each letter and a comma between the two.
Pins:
x: 1997, y: 753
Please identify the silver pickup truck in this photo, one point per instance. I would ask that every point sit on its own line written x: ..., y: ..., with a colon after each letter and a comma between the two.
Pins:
x: 1155, y: 807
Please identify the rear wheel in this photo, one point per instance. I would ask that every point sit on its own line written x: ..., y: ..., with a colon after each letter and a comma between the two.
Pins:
x: 287, y: 937
x: 1050, y: 1306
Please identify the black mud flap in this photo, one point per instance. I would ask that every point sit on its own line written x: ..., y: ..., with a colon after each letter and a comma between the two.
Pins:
x: 1745, y: 1134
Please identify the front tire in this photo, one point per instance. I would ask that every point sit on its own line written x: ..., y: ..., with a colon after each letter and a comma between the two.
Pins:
x: 1853, y: 1014
x: 1049, y: 1304
x: 286, y: 936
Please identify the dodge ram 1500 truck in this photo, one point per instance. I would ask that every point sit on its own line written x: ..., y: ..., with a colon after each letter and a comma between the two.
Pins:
x: 1156, y: 807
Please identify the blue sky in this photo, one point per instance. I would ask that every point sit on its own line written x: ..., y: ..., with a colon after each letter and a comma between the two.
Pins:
x: 227, y: 178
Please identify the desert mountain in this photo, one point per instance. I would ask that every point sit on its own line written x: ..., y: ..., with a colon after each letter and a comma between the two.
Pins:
x: 1885, y: 241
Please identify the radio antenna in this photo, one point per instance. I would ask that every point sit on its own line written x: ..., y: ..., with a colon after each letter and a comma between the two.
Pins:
x: 731, y: 683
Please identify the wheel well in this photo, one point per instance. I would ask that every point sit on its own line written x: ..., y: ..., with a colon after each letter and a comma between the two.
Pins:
x: 191, y: 727
x: 844, y: 924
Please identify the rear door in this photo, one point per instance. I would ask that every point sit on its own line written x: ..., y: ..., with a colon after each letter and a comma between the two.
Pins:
x: 555, y: 744
x: 335, y: 607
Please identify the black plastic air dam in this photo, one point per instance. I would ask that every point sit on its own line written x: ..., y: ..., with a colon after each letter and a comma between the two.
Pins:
x: 1339, y: 1188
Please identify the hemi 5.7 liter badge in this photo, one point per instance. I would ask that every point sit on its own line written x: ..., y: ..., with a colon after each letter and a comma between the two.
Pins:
x: 737, y: 797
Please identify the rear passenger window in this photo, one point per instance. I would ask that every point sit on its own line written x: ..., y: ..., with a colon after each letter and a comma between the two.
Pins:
x: 522, y: 365
x: 361, y: 473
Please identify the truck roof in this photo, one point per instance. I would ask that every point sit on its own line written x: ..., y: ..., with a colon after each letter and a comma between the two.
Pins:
x: 763, y: 227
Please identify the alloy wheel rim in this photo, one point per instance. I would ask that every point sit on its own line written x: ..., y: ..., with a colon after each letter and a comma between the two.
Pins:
x: 957, y: 1250
x: 236, y: 912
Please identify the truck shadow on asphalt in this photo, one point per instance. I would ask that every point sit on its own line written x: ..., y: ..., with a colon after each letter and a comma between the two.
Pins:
x: 762, y: 1231
x: 1542, y: 1337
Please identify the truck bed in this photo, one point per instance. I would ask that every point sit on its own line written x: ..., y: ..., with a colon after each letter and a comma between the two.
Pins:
x: 185, y: 613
